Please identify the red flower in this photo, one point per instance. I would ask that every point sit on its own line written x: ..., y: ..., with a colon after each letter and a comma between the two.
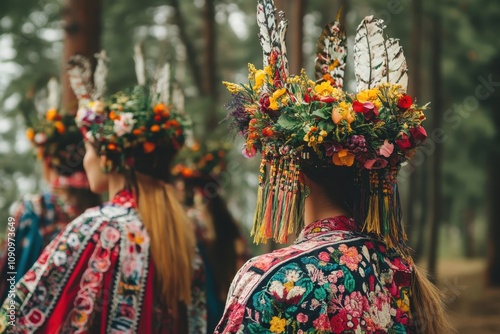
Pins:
x: 267, y: 132
x: 418, y: 134
x: 357, y: 106
x: 405, y: 102
x: 264, y: 103
x: 327, y: 99
x: 404, y: 142
x: 307, y: 98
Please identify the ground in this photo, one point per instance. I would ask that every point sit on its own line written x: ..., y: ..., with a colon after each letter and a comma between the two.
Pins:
x: 473, y: 308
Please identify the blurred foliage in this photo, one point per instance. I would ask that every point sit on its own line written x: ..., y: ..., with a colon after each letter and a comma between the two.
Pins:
x: 31, y: 34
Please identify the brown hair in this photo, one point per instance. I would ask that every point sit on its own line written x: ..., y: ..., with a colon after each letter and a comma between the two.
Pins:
x: 426, y: 302
x: 427, y: 307
x: 172, y: 241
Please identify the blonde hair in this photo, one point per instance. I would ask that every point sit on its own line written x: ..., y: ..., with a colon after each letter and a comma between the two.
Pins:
x: 172, y: 241
x: 428, y: 310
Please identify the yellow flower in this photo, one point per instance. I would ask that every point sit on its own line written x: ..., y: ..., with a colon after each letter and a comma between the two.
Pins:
x: 251, y: 71
x: 404, y: 303
x: 343, y: 158
x: 320, y: 139
x: 323, y: 133
x: 370, y: 95
x: 232, y: 87
x: 336, y: 116
x: 277, y: 325
x: 324, y: 89
x: 260, y: 79
x: 306, y: 138
x: 273, y: 100
x: 288, y: 286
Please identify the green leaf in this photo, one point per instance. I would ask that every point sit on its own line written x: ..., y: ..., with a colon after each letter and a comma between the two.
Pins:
x: 322, y: 113
x: 287, y: 122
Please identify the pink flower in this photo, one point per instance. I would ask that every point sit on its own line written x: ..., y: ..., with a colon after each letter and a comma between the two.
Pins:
x: 324, y: 256
x: 355, y: 304
x: 386, y: 149
x: 350, y: 257
x: 301, y: 317
x: 322, y: 323
x: 249, y: 153
x: 375, y: 164
x: 129, y: 268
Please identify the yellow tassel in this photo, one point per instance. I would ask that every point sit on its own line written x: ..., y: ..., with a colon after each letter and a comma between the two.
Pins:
x: 266, y: 229
x: 257, y: 218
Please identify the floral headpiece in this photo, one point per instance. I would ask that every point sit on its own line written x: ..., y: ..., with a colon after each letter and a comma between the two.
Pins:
x: 59, y: 142
x: 201, y: 162
x: 295, y: 121
x: 128, y: 123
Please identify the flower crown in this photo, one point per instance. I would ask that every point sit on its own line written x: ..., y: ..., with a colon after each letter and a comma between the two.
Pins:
x: 128, y: 123
x: 201, y: 162
x: 59, y: 141
x: 294, y: 120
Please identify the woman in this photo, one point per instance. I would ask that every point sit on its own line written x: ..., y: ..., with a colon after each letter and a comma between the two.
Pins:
x: 329, y: 167
x: 223, y: 248
x: 129, y: 266
x: 40, y: 217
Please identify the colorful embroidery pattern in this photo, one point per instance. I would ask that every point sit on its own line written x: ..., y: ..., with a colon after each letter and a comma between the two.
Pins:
x: 329, y: 281
x: 106, y: 252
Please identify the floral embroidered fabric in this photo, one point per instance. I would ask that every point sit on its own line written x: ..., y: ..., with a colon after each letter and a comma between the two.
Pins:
x: 332, y: 280
x: 92, y: 278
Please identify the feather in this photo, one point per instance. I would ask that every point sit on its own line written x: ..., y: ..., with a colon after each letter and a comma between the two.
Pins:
x: 376, y: 59
x: 178, y: 99
x: 331, y: 53
x: 140, y: 70
x: 53, y: 93
x: 100, y: 75
x: 266, y: 20
x: 79, y: 74
x: 282, y: 28
x: 161, y: 86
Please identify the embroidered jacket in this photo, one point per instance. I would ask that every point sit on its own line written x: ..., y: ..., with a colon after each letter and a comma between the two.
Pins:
x: 37, y: 220
x: 97, y: 276
x: 331, y: 280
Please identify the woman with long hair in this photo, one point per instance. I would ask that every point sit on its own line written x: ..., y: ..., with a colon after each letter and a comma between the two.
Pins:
x: 129, y: 266
x: 329, y: 171
x: 202, y: 170
x: 38, y: 218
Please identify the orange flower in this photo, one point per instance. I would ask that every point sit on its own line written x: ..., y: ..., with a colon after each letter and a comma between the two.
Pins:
x: 209, y: 157
x: 113, y: 115
x: 30, y: 134
x: 60, y: 127
x: 111, y: 146
x: 187, y: 172
x: 155, y: 128
x: 148, y: 147
x: 343, y: 158
x: 165, y: 113
x: 137, y: 132
x: 51, y: 114
x: 159, y: 108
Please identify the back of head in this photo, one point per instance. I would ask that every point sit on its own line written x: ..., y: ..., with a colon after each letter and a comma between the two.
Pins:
x: 137, y: 133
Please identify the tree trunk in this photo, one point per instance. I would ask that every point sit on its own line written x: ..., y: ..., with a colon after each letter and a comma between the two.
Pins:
x: 415, y: 91
x: 469, y: 216
x: 493, y: 268
x: 424, y: 212
x: 191, y: 52
x: 437, y: 102
x: 210, y: 83
x: 82, y: 26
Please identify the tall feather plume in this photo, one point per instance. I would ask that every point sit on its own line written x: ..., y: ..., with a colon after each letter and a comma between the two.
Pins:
x: 377, y: 59
x: 100, y: 75
x: 80, y: 75
x: 53, y: 93
x: 331, y: 53
x: 268, y: 35
x: 140, y: 67
x: 163, y: 84
x: 282, y: 29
